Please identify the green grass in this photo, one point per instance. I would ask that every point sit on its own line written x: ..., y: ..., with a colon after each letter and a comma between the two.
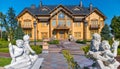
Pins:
x: 3, y: 44
x: 4, y: 50
x: 54, y: 42
x: 37, y: 49
x: 4, y: 61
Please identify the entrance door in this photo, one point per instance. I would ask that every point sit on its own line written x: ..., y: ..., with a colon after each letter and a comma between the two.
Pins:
x: 61, y: 35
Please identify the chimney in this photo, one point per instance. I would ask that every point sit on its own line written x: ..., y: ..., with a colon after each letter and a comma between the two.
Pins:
x: 40, y: 3
x: 33, y: 6
x: 80, y: 3
x: 91, y: 6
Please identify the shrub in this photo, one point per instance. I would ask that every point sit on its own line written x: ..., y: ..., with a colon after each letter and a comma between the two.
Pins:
x: 70, y: 60
x: 86, y: 49
x: 82, y: 42
x: 54, y: 42
x: 37, y: 49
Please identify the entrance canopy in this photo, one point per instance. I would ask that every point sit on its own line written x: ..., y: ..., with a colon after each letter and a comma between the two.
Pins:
x: 61, y: 27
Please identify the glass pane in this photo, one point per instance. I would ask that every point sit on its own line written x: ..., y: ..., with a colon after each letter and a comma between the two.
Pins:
x: 53, y: 22
x: 68, y: 23
x: 61, y: 15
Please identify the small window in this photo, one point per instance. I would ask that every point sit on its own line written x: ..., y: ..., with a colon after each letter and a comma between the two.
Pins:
x: 61, y: 15
x: 76, y: 9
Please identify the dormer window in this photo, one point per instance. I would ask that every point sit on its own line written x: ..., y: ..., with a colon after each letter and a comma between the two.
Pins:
x: 76, y: 9
x: 61, y: 15
x: 44, y: 9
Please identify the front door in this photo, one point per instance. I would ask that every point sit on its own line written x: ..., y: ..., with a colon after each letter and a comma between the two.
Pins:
x: 61, y: 34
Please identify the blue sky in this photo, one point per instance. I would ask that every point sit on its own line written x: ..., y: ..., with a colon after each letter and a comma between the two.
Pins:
x: 110, y: 8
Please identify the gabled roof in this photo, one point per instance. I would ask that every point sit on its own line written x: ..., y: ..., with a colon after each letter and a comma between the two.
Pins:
x: 38, y: 10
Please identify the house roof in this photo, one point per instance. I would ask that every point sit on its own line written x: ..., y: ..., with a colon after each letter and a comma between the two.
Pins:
x: 49, y: 8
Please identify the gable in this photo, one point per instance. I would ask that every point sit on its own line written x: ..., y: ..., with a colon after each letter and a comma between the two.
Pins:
x: 26, y: 16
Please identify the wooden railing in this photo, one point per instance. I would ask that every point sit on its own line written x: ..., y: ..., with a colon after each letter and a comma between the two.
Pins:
x: 94, y: 27
x: 26, y: 26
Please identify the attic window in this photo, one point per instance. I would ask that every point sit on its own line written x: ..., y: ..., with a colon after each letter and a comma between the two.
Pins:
x: 76, y: 9
x: 44, y: 9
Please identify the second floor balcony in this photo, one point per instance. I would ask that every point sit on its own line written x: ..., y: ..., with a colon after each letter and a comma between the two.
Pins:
x: 26, y: 26
x: 94, y: 27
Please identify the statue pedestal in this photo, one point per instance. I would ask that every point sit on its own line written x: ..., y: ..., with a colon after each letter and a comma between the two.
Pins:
x: 45, y: 46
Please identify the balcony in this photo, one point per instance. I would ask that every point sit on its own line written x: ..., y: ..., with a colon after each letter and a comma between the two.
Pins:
x: 94, y: 27
x: 26, y: 26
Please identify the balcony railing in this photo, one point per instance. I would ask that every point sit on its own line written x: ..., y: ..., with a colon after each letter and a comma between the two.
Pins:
x: 26, y: 26
x: 92, y: 27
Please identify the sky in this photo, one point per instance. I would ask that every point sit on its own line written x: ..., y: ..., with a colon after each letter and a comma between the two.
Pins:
x: 109, y: 8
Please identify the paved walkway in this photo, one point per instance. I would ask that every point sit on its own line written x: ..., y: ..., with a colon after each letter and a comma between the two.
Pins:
x: 55, y: 59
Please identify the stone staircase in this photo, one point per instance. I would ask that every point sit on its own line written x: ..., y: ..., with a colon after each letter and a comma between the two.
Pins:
x: 54, y: 49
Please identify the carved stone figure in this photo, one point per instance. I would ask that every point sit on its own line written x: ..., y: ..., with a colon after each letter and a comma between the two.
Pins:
x: 19, y: 59
x: 22, y: 55
x: 101, y: 52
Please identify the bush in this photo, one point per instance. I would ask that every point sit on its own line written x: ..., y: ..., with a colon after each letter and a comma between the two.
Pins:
x: 54, y: 42
x: 82, y: 42
x: 86, y: 49
x: 4, y: 61
x: 37, y: 49
x: 70, y: 60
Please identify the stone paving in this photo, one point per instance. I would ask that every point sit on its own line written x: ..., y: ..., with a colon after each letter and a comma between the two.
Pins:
x: 55, y: 59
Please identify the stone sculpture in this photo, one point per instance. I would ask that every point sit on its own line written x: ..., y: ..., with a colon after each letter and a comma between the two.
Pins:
x: 22, y: 55
x: 101, y: 52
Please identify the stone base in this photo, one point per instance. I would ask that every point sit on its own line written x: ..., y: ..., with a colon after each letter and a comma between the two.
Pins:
x: 45, y: 51
x: 2, y: 68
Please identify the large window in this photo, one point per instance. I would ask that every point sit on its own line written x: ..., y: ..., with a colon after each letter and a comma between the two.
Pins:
x: 61, y: 15
x: 53, y: 22
x: 68, y: 23
x: 61, y: 22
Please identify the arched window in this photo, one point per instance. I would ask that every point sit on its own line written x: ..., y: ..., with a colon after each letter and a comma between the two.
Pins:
x: 61, y: 15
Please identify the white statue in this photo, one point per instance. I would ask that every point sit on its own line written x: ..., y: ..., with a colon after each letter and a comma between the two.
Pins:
x: 22, y: 55
x: 19, y: 59
x: 28, y: 49
x: 101, y: 51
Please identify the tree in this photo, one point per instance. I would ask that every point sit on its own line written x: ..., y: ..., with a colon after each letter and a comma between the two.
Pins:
x: 105, y: 33
x: 11, y: 24
x: 19, y: 32
x: 2, y: 20
x: 115, y: 26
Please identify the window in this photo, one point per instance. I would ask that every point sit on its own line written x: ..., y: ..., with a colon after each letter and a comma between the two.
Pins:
x: 53, y: 22
x: 68, y: 23
x: 94, y: 22
x: 61, y: 15
x: 93, y: 31
x: 77, y: 34
x: 61, y: 22
x: 27, y: 23
x: 44, y: 34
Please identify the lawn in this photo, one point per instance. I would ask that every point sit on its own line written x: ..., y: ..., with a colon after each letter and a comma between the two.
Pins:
x: 4, y: 61
x: 4, y: 50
